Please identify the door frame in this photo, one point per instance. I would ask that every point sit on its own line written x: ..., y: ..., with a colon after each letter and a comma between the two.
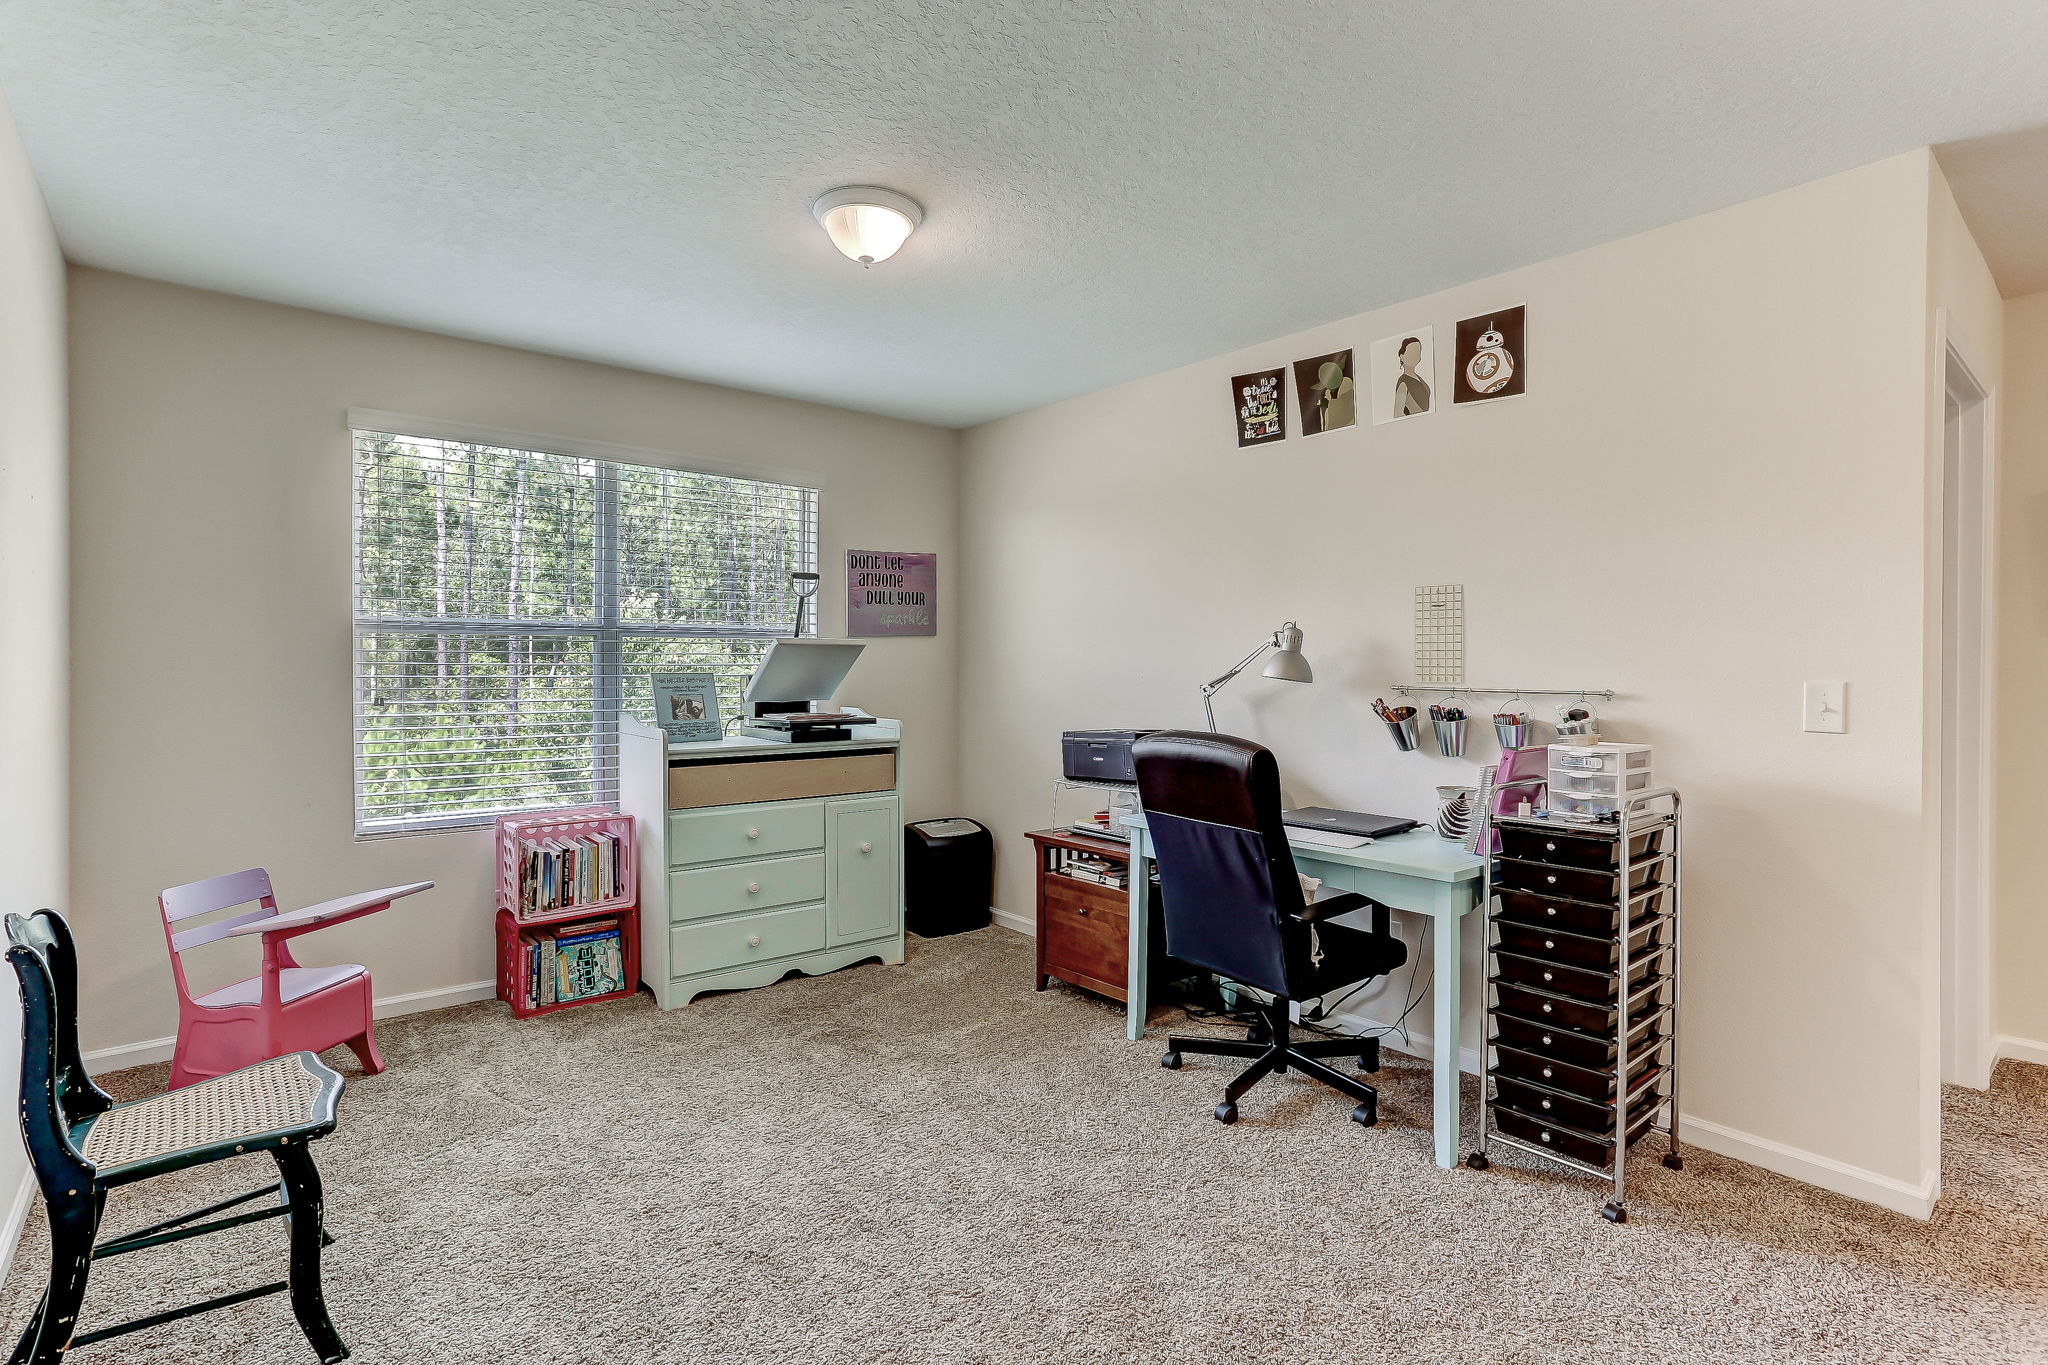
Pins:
x: 1966, y: 811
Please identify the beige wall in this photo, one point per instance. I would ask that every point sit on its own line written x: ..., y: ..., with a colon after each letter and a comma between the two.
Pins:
x: 2020, y: 931
x: 33, y: 684
x: 212, y: 651
x: 1713, y: 490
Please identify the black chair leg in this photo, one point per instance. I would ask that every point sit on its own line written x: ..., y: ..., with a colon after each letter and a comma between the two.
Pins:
x: 302, y: 1194
x: 1251, y: 1076
x: 73, y: 1225
x: 1336, y: 1080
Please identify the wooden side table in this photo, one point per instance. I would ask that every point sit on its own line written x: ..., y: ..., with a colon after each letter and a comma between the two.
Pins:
x: 1083, y: 926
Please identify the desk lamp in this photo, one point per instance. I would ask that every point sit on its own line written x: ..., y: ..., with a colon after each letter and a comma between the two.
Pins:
x: 1286, y: 665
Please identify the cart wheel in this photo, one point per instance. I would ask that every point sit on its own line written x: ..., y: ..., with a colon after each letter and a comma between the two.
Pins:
x: 1674, y: 1161
x: 1171, y: 1061
x: 1226, y: 1112
x: 1614, y: 1213
x: 1367, y: 1113
x: 1477, y: 1161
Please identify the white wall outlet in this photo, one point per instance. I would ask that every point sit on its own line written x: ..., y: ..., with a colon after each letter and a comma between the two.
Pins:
x: 1826, y: 711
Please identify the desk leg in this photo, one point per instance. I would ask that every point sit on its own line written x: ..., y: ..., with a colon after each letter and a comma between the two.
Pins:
x: 1139, y: 944
x: 1446, y: 1070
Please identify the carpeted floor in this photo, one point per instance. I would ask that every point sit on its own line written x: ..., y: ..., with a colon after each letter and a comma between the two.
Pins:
x: 931, y: 1163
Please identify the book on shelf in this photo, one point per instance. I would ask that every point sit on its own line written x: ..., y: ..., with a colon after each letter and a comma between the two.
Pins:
x: 568, y: 871
x: 575, y: 962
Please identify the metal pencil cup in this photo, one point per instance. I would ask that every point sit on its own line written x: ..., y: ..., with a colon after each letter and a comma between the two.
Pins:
x: 1588, y: 726
x: 1514, y: 734
x: 1403, y: 732
x: 1450, y: 737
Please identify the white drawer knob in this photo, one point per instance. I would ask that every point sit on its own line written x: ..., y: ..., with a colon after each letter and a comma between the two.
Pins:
x: 1549, y: 909
x: 1550, y: 879
x: 1546, y: 976
x: 1546, y: 1104
x: 1545, y: 1135
x: 1546, y: 1040
x: 753, y: 940
x: 1546, y: 1009
x: 753, y: 834
x: 1550, y: 848
x: 1546, y: 1073
x: 753, y: 888
x: 1550, y: 943
x: 867, y: 848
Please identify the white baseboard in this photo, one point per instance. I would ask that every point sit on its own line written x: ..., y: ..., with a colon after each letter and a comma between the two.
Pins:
x: 415, y: 1002
x: 1915, y: 1201
x: 2019, y: 1050
x: 1016, y: 924
x: 18, y: 1209
x: 1418, y: 1045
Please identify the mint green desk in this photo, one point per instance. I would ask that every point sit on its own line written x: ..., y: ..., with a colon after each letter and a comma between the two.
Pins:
x: 1416, y: 872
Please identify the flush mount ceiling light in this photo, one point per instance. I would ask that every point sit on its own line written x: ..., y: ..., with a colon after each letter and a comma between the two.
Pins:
x: 866, y: 222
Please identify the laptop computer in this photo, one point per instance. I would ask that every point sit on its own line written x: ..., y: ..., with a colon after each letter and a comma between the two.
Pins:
x: 1347, y: 821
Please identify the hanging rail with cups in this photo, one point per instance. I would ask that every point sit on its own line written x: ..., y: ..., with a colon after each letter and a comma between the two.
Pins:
x: 1460, y: 690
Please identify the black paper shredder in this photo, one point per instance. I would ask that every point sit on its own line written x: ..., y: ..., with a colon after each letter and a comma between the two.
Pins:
x: 948, y: 876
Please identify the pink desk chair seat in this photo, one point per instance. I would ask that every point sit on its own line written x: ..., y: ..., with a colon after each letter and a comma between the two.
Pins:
x: 287, y: 1008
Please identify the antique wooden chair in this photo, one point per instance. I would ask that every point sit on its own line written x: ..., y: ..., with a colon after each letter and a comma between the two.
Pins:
x: 82, y: 1144
x: 287, y: 1008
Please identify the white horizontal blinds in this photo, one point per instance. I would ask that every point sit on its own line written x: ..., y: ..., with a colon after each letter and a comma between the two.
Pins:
x: 509, y: 603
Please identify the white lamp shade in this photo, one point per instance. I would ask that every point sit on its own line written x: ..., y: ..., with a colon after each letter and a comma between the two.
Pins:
x: 867, y: 223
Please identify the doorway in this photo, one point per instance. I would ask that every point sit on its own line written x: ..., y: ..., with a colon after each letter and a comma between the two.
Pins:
x: 1967, y: 541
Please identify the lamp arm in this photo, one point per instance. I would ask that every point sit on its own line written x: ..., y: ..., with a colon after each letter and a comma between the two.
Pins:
x: 1215, y: 685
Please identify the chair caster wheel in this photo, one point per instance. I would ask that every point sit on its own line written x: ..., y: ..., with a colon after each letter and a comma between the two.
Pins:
x: 1614, y: 1213
x: 1674, y: 1161
x: 1226, y: 1112
x: 1171, y: 1061
x: 1477, y: 1161
x: 1367, y: 1114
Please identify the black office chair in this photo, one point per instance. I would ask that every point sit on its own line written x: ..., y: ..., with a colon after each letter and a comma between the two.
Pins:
x: 1233, y: 905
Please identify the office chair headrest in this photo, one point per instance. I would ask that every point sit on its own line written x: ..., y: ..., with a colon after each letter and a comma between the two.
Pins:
x: 1218, y: 778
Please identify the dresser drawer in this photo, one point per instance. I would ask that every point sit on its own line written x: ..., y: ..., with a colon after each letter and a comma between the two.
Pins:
x: 1587, y: 1083
x: 716, y: 836
x: 1575, y: 883
x: 1565, y: 1141
x: 1549, y: 1039
x: 1585, y: 1016
x: 1575, y: 850
x: 1543, y: 1102
x: 697, y: 948
x: 1599, y: 952
x: 701, y: 892
x: 1577, y: 917
x: 1579, y: 982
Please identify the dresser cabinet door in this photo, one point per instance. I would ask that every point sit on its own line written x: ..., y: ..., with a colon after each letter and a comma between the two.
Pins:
x: 863, y: 843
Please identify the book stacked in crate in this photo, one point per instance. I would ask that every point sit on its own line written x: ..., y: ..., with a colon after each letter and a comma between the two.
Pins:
x: 568, y: 933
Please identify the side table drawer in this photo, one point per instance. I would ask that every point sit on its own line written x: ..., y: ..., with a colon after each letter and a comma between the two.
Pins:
x: 701, y: 892
x: 716, y: 836
x: 695, y: 948
x: 1087, y: 937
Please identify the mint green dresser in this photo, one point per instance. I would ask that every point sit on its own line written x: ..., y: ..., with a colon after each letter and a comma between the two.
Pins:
x: 759, y: 859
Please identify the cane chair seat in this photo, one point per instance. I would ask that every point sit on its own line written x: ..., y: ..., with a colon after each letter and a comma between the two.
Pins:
x: 258, y: 1107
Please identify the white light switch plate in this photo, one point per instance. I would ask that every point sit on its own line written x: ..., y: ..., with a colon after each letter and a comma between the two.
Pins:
x: 1826, y: 710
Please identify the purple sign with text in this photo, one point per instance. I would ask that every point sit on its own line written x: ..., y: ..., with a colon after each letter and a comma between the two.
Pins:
x: 891, y: 592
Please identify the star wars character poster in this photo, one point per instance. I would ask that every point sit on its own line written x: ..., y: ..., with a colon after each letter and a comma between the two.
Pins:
x: 1324, y: 394
x: 1491, y: 360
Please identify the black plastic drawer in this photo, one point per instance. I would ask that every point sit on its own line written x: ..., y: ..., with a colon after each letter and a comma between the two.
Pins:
x: 1581, y: 983
x: 1592, y: 1083
x: 1576, y: 883
x: 1541, y: 1101
x: 1541, y: 1007
x: 1577, y: 917
x: 1599, y: 952
x: 1576, y: 849
x: 1566, y: 1141
x: 1589, y: 1050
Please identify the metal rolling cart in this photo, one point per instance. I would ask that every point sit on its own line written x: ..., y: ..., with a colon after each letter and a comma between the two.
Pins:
x: 1583, y: 933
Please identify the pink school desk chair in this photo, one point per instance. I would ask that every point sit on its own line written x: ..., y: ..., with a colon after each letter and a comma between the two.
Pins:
x: 285, y: 1009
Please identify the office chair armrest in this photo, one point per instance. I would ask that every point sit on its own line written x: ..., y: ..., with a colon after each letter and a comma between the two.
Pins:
x: 1330, y: 902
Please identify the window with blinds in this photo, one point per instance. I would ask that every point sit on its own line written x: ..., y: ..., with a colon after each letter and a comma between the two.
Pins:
x: 511, y: 604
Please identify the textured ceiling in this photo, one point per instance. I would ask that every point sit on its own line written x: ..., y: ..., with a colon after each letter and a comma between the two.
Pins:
x: 1111, y: 189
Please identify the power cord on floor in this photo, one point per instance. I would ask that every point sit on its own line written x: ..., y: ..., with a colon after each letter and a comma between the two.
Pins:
x: 1322, y: 1007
